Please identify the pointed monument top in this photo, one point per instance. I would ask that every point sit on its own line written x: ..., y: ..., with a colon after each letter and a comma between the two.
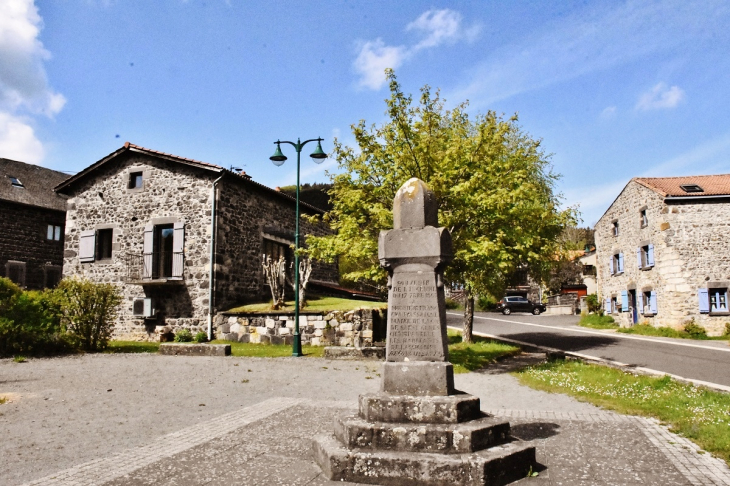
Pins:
x: 414, y: 206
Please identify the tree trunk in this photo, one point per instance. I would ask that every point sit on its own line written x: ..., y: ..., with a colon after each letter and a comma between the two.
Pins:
x: 468, y: 317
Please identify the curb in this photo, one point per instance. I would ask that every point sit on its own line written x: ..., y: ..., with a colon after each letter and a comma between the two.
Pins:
x: 637, y: 370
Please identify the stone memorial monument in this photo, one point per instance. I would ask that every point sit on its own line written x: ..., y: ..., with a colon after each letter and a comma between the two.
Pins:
x: 419, y: 430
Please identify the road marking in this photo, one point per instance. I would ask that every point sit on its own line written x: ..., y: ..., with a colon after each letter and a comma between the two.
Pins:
x: 597, y: 333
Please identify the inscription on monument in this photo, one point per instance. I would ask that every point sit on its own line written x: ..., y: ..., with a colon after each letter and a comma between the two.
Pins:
x: 414, y: 332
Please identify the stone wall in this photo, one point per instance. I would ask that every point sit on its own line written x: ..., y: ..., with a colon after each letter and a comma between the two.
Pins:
x: 23, y: 239
x: 359, y: 328
x: 691, y: 251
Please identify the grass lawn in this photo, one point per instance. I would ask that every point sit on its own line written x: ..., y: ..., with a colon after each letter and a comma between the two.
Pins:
x: 269, y: 350
x: 596, y: 321
x: 470, y: 357
x: 132, y: 347
x: 323, y: 304
x: 697, y: 413
x: 647, y: 330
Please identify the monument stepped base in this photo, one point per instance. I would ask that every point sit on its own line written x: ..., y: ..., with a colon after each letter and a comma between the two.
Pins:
x: 495, y: 466
x: 423, y: 441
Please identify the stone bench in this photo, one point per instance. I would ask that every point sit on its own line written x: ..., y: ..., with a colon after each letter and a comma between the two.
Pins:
x: 190, y: 349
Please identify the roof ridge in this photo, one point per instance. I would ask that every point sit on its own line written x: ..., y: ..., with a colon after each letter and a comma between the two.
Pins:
x: 128, y: 145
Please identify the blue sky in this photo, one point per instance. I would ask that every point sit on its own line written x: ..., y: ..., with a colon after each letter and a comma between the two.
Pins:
x: 614, y: 89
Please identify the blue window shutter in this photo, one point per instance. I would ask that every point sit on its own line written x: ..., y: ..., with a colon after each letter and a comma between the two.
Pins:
x: 638, y: 257
x: 610, y: 265
x: 607, y: 305
x: 650, y: 256
x: 620, y: 262
x: 652, y: 302
x: 704, y: 300
x: 624, y: 301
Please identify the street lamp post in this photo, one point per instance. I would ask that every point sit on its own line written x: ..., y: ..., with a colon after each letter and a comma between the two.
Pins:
x: 279, y: 158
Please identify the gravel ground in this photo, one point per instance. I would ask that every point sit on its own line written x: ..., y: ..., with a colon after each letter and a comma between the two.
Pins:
x: 66, y: 411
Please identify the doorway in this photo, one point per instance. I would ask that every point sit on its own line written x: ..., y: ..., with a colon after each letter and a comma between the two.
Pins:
x: 633, y: 306
x: 162, y: 251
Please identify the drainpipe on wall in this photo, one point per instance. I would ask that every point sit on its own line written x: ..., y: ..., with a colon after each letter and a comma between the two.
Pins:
x: 212, y: 258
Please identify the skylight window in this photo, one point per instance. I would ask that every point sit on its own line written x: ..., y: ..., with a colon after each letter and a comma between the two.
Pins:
x: 15, y: 182
x: 691, y: 188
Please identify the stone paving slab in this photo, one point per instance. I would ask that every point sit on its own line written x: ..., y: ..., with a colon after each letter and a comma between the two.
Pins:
x: 270, y: 443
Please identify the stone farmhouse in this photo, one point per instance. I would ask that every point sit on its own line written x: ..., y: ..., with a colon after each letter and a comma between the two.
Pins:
x: 663, y: 252
x: 152, y: 222
x: 33, y: 217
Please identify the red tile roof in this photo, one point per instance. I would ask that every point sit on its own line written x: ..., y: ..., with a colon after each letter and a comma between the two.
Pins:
x: 712, y: 185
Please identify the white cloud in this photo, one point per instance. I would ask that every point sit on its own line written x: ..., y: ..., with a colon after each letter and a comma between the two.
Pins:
x: 435, y: 26
x: 374, y: 58
x: 660, y: 96
x: 24, y: 88
x: 440, y: 26
x: 18, y: 141
x: 591, y: 40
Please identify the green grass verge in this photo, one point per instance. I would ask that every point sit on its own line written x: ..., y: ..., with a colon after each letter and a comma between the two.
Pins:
x: 132, y: 347
x: 648, y: 330
x: 269, y: 350
x: 596, y: 321
x: 324, y: 304
x: 474, y: 356
x: 697, y: 413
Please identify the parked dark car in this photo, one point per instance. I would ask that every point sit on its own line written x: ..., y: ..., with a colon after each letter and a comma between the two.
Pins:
x: 508, y: 305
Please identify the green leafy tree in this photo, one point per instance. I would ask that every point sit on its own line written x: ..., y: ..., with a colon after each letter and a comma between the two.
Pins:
x: 493, y: 183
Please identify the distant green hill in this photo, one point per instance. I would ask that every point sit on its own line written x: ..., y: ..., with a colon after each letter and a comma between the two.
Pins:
x: 314, y: 194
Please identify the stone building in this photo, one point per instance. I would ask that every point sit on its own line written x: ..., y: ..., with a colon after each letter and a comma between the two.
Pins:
x: 141, y: 219
x: 663, y: 252
x: 32, y: 217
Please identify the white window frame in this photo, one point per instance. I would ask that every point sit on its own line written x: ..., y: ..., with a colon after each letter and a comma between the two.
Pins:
x: 718, y: 297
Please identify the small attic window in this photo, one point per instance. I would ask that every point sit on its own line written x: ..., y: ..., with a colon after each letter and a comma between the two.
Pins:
x: 15, y: 182
x: 691, y: 188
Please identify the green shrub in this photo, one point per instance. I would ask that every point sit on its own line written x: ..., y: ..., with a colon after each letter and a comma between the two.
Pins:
x: 9, y: 293
x: 486, y: 303
x: 88, y: 310
x: 201, y: 337
x: 30, y: 322
x: 183, y: 336
x: 727, y: 329
x: 695, y: 330
x: 451, y: 303
x: 593, y: 303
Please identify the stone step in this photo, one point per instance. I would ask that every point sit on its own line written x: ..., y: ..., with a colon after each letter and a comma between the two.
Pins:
x: 472, y: 436
x: 448, y: 409
x: 496, y: 466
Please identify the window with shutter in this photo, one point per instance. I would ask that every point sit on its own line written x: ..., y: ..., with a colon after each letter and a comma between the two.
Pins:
x: 15, y: 271
x: 650, y: 255
x: 652, y: 302
x: 178, y: 245
x: 147, y: 251
x: 718, y: 300
x: 704, y: 298
x: 607, y: 305
x: 87, y: 246
x: 620, y: 262
x: 624, y: 301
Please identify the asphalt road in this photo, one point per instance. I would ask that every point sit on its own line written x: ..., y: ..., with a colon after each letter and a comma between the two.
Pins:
x: 700, y: 360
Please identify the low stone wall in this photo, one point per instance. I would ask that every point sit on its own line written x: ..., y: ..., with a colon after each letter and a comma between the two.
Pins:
x: 357, y: 328
x: 560, y: 310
